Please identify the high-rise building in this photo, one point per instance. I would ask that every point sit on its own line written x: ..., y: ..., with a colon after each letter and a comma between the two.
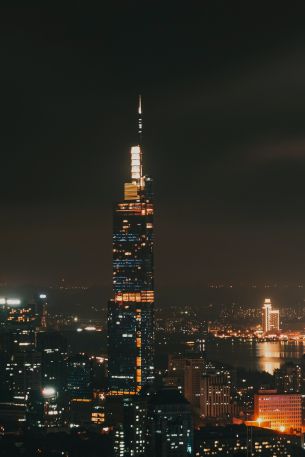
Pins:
x: 130, y: 312
x: 44, y: 409
x: 79, y: 389
x: 192, y: 376
x: 278, y: 411
x: 23, y: 372
x: 20, y: 321
x: 215, y: 398
x: 184, y: 372
x: 54, y: 349
x: 130, y: 433
x: 169, y: 425
x: 79, y: 377
x: 18, y: 314
x: 270, y: 317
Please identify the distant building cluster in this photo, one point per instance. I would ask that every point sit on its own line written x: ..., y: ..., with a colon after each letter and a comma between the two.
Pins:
x: 43, y: 385
x: 241, y: 440
x: 207, y: 387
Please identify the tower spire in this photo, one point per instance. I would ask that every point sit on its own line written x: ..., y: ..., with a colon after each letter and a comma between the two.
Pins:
x: 140, y: 120
x: 136, y: 151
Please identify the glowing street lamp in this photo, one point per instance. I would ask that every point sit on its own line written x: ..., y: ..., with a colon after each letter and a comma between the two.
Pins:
x: 49, y: 392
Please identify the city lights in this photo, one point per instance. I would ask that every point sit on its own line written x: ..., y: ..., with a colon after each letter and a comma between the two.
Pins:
x: 10, y: 301
x: 270, y: 318
x: 143, y: 320
x: 136, y: 165
x: 48, y: 392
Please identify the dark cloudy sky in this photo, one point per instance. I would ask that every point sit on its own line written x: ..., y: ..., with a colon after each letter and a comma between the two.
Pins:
x: 223, y: 85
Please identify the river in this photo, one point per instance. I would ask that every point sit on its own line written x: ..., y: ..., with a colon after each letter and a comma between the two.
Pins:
x: 264, y: 356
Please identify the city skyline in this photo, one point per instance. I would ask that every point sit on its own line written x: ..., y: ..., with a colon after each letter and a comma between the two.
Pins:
x: 152, y: 230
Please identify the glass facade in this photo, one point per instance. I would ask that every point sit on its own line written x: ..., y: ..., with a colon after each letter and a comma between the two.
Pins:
x: 130, y: 312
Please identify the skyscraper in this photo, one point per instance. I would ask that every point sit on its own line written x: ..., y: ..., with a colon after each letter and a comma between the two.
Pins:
x: 270, y: 317
x: 192, y: 375
x: 79, y: 377
x: 215, y: 398
x: 130, y: 312
x: 54, y: 353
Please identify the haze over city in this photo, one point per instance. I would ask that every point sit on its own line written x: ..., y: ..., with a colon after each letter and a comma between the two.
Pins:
x: 223, y: 97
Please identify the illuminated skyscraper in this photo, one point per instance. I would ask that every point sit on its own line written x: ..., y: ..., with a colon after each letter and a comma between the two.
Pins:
x: 270, y: 317
x: 130, y: 312
x: 215, y: 397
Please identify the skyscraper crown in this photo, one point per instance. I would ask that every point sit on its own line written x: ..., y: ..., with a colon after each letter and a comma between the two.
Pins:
x: 133, y: 189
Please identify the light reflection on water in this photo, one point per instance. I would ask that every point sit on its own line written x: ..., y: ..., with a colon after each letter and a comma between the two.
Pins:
x: 265, y: 356
x: 272, y: 354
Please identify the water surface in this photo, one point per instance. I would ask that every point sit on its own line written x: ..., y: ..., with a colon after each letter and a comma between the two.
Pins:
x: 264, y: 356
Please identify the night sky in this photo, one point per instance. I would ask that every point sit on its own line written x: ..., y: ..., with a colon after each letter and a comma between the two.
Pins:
x: 223, y: 87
